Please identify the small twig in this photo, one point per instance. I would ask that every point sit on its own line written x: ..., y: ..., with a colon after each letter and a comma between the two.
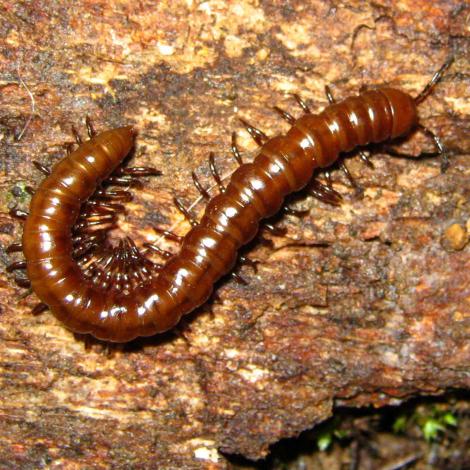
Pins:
x: 33, y: 106
x: 402, y: 462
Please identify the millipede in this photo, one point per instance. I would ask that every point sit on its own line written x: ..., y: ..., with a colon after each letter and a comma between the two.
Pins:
x: 117, y: 293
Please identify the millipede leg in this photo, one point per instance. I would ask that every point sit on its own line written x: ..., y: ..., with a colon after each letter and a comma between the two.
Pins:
x: 363, y: 156
x: 25, y: 283
x: 39, y: 308
x: 68, y: 146
x: 285, y: 115
x: 85, y: 224
x: 179, y: 205
x: 302, y: 104
x: 442, y: 150
x: 395, y: 153
x: 16, y: 266
x: 266, y: 241
x: 81, y: 251
x: 179, y: 332
x: 149, y: 266
x: 143, y: 266
x: 329, y: 95
x: 95, y: 208
x: 203, y: 192
x: 105, y: 206
x: 18, y: 214
x: 90, y: 272
x: 257, y: 135
x: 138, y: 171
x: 249, y: 262
x: 43, y: 169
x: 296, y: 212
x: 113, y: 195
x: 14, y: 248
x: 95, y: 271
x: 234, y: 148
x: 121, y: 279
x: 76, y: 135
x: 325, y: 193
x: 276, y: 231
x: 164, y: 253
x: 328, y: 188
x: 215, y: 173
x: 435, y: 79
x: 124, y: 180
x: 115, y: 267
x: 350, y: 178
x: 129, y: 177
x: 329, y: 183
x: 84, y: 262
x: 95, y: 237
x: 239, y: 279
x: 95, y: 211
x: 167, y: 234
x: 89, y: 127
x: 390, y: 151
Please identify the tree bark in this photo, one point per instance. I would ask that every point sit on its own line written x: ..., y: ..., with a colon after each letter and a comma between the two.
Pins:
x: 358, y: 305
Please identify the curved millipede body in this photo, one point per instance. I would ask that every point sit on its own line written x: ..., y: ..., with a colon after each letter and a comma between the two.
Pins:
x: 152, y: 299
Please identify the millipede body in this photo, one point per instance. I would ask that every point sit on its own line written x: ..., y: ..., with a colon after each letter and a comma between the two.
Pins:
x: 158, y: 296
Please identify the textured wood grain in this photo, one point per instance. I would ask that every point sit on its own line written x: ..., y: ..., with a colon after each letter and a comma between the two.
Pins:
x: 365, y: 304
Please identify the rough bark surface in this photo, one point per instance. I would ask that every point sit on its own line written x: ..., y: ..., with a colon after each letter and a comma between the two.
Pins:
x: 358, y: 305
